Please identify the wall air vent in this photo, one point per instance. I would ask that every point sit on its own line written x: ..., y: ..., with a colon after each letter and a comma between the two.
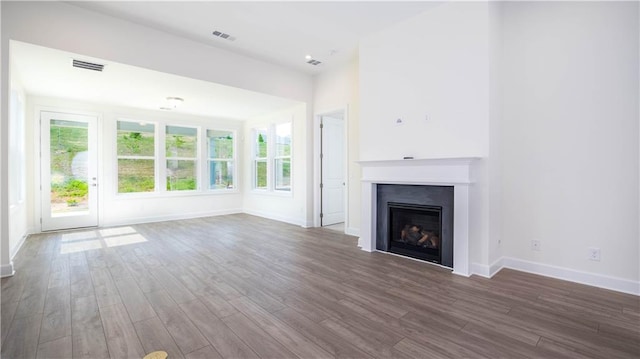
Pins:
x: 223, y: 35
x: 314, y: 62
x: 87, y: 65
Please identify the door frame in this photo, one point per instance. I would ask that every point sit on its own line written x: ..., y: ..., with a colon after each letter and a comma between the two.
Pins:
x: 37, y: 156
x: 316, y: 164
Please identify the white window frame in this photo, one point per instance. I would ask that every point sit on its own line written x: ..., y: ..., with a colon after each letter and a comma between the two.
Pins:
x: 276, y: 157
x: 165, y: 158
x: 255, y: 159
x: 210, y: 159
x: 156, y: 141
x: 271, y: 159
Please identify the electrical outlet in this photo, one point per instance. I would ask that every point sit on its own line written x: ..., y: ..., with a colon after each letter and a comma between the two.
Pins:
x: 594, y: 254
x: 535, y: 244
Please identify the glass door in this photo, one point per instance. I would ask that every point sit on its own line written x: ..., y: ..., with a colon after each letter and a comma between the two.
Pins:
x: 69, y: 176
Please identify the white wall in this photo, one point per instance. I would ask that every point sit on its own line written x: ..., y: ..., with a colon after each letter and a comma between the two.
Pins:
x: 433, y: 65
x: 570, y: 136
x: 114, y: 208
x: 283, y: 206
x: 336, y: 89
x: 494, y: 161
x: 6, y: 266
x: 18, y: 210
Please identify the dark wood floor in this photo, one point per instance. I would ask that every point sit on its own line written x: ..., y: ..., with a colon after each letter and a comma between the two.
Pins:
x: 244, y: 287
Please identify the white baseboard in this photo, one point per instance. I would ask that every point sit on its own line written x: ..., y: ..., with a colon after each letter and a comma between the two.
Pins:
x: 362, y: 245
x: 487, y: 271
x: 170, y: 217
x: 16, y: 249
x: 480, y: 269
x: 548, y: 270
x: 6, y: 270
x: 352, y: 231
x: 276, y: 217
x: 308, y: 224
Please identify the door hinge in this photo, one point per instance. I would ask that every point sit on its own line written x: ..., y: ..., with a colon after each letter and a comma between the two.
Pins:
x: 321, y: 185
x: 321, y: 125
x: 321, y: 215
x: 321, y: 156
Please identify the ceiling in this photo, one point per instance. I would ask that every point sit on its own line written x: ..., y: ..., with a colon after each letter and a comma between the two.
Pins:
x: 47, y: 72
x: 277, y: 32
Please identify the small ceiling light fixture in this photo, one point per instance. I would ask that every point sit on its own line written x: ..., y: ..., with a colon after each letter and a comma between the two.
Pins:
x: 174, y: 102
x: 308, y: 57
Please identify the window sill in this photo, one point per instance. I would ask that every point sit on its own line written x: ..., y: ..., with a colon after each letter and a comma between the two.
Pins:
x: 272, y: 193
x: 173, y: 194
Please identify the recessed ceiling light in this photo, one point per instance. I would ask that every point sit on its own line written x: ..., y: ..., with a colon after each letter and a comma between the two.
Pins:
x: 308, y: 57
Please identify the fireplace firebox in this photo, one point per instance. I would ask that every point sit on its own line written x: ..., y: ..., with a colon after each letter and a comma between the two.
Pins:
x: 415, y: 231
x: 415, y: 221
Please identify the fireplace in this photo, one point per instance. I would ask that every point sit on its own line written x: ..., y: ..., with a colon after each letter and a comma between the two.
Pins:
x: 453, y: 173
x: 416, y: 221
x: 415, y: 231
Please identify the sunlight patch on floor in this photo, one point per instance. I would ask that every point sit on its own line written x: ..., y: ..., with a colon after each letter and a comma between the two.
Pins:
x: 81, y: 241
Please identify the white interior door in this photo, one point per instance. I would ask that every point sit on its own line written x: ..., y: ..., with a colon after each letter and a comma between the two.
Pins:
x: 69, y: 162
x: 332, y: 164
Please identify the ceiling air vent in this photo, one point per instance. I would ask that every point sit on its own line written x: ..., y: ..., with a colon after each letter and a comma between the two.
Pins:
x: 314, y: 62
x: 223, y: 35
x: 87, y: 65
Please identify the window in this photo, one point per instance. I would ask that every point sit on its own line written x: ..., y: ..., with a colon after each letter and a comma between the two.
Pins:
x: 260, y: 161
x: 272, y: 158
x: 221, y: 159
x: 136, y: 157
x: 182, y: 153
x: 282, y: 158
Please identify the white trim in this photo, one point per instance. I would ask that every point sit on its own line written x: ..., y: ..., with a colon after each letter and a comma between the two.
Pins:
x: 317, y: 118
x: 572, y: 275
x: 308, y: 224
x: 487, y: 271
x: 6, y: 270
x: 562, y: 273
x: 18, y: 246
x: 269, y: 215
x: 171, y: 217
x: 352, y: 231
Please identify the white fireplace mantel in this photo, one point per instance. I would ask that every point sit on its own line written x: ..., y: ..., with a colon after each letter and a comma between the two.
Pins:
x: 454, y: 172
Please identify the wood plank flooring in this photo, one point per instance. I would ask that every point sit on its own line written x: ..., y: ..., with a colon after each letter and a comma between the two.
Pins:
x: 240, y: 286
